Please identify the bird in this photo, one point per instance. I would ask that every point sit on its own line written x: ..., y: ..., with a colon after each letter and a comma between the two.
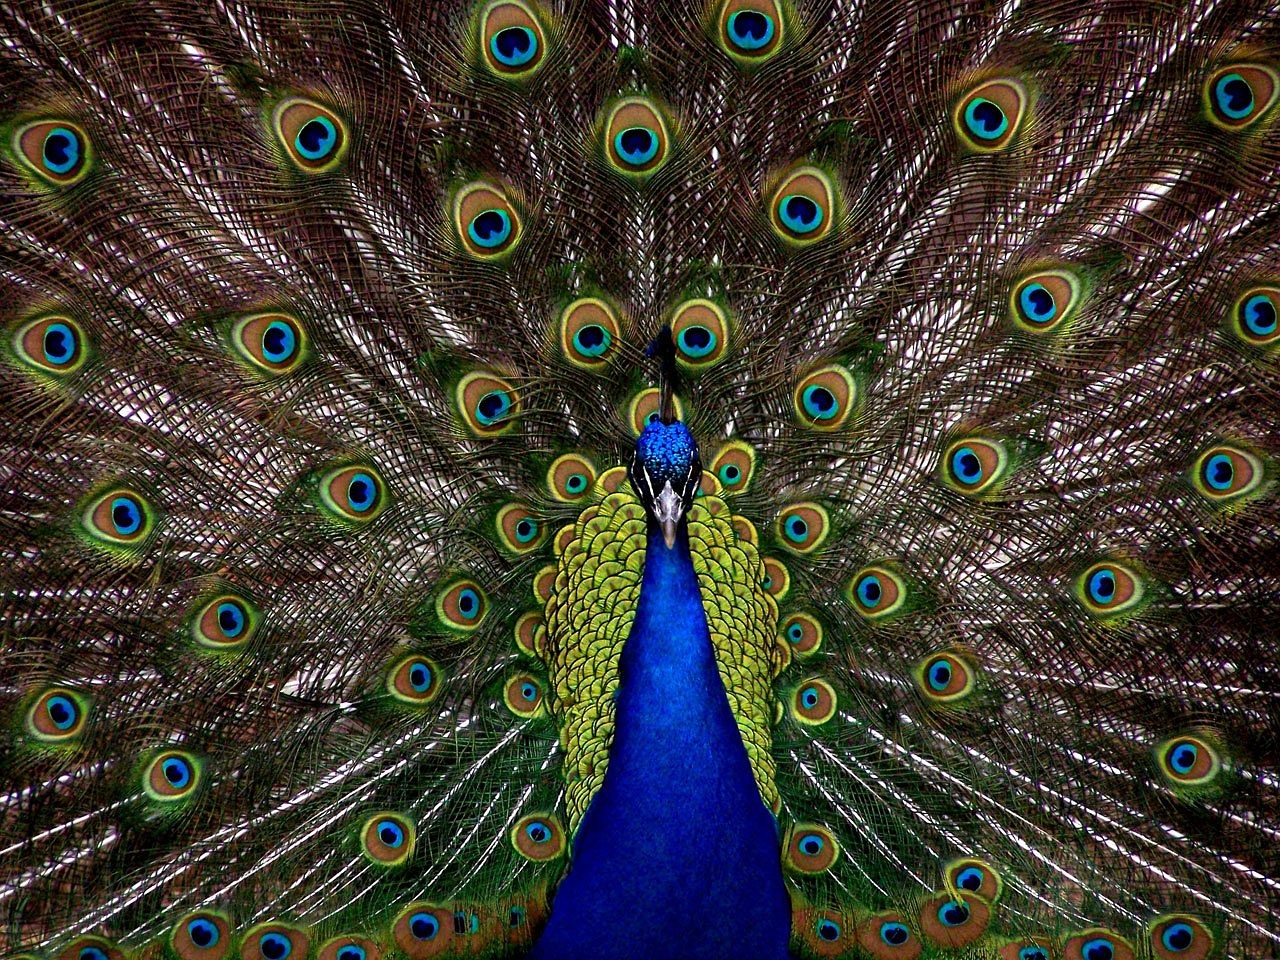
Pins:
x: 596, y: 478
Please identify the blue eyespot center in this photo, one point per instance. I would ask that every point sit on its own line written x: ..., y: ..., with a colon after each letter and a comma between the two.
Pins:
x: 390, y: 833
x: 829, y: 930
x: 1177, y: 937
x: 970, y: 878
x: 278, y: 342
x: 1032, y: 953
x: 177, y: 771
x: 490, y: 228
x: 492, y: 407
x: 1233, y: 96
x: 468, y: 603
x: 126, y: 515
x: 274, y: 946
x: 636, y: 145
x: 730, y: 474
x: 1183, y: 757
x: 812, y: 845
x: 316, y: 139
x: 894, y: 934
x: 795, y: 633
x: 362, y: 492
x: 576, y: 483
x: 516, y: 916
x: 1037, y: 303
x: 1102, y: 586
x: 62, y: 711
x: 203, y: 933
x: 696, y: 341
x: 592, y: 340
x: 231, y: 619
x: 819, y: 402
x: 526, y: 530
x: 796, y: 529
x: 529, y: 691
x: 352, y: 952
x: 984, y: 119
x: 1259, y: 315
x: 869, y: 590
x: 809, y: 697
x: 420, y: 677
x: 1099, y: 948
x: 800, y: 214
x: 92, y: 953
x: 966, y: 466
x: 424, y: 926
x: 939, y: 674
x: 749, y: 30
x: 537, y: 831
x: 514, y: 46
x: 59, y: 344
x: 1219, y: 472
x: 953, y: 913
x: 60, y: 152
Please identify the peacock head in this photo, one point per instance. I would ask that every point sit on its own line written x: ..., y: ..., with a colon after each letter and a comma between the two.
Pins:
x: 665, y: 472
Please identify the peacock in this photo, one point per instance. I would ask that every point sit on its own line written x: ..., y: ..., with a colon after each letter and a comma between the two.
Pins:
x: 747, y: 479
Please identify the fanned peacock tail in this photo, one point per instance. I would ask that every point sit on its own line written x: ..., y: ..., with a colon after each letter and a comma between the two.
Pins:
x: 324, y: 360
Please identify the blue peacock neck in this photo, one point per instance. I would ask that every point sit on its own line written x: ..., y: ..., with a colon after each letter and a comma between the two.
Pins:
x: 677, y: 856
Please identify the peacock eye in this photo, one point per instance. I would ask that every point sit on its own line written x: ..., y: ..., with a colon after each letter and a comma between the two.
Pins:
x: 387, y: 838
x: 803, y: 527
x: 487, y: 403
x: 53, y: 345
x: 953, y: 914
x: 486, y: 221
x: 944, y: 678
x: 877, y: 592
x: 1043, y: 302
x: 589, y: 330
x: 644, y: 409
x: 777, y: 578
x: 971, y: 879
x: 57, y: 151
x: 1239, y: 95
x: 462, y: 605
x: 1032, y: 953
x: 424, y: 926
x: 1180, y: 935
x: 225, y: 622
x: 57, y: 716
x: 1226, y: 473
x: 413, y: 680
x: 988, y: 117
x: 974, y: 465
x: 1254, y: 317
x: 811, y: 849
x: 1189, y: 760
x: 803, y: 633
x: 272, y: 343
x: 538, y: 837
x: 523, y: 696
x: 1110, y: 588
x: 512, y: 40
x: 119, y: 518
x: 171, y: 776
x: 637, y: 137
x: 314, y: 138
x: 275, y: 946
x: 519, y: 531
x: 975, y: 876
x: 750, y: 31
x: 201, y: 936
x: 802, y: 208
x: 701, y: 330
x: 813, y: 702
x: 1099, y: 948
x: 353, y: 494
x: 824, y: 399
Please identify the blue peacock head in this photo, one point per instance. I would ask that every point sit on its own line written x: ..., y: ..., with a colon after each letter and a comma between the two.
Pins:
x: 665, y: 469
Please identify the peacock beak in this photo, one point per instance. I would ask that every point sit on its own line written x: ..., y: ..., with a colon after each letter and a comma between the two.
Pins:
x: 668, y: 508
